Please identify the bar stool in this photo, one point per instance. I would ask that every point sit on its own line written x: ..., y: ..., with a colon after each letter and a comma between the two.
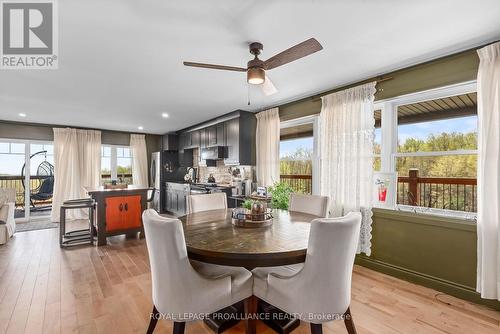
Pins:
x: 81, y: 236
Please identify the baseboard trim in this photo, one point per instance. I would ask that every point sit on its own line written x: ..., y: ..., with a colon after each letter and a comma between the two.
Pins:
x: 448, y: 287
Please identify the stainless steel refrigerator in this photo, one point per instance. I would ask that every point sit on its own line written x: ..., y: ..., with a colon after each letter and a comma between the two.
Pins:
x: 155, y: 177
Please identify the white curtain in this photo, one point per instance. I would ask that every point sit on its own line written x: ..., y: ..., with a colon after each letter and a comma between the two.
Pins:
x: 488, y: 179
x: 77, y: 157
x: 139, y: 160
x: 268, y: 147
x: 346, y: 151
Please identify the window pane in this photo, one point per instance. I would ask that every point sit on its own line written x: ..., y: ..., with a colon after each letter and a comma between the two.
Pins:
x: 124, y: 166
x: 49, y: 149
x: 376, y: 164
x: 296, y: 163
x: 377, y: 139
x: 106, y: 151
x: 448, y: 166
x: 444, y: 124
x: 17, y: 148
x: 449, y: 182
x: 4, y: 147
x: 36, y: 148
x: 119, y: 152
x: 126, y: 152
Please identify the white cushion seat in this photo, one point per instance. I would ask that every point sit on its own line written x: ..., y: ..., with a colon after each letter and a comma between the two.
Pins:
x: 241, y: 279
x: 260, y: 275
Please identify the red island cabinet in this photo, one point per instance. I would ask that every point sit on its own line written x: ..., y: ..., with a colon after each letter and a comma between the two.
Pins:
x: 119, y: 211
x: 123, y: 212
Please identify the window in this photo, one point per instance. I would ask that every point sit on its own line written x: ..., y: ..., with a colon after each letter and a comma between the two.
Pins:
x: 377, y: 141
x: 435, y: 148
x: 296, y: 163
x: 298, y: 154
x: 116, y: 164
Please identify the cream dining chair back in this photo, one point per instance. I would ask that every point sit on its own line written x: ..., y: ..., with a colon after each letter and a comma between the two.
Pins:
x: 310, y: 204
x: 320, y: 288
x: 182, y: 289
x: 215, y: 201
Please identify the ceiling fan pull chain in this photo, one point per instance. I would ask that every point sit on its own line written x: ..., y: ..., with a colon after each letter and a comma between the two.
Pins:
x: 248, y: 94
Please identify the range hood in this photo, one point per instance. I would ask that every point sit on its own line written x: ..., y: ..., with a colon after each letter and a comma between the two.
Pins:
x: 213, y: 153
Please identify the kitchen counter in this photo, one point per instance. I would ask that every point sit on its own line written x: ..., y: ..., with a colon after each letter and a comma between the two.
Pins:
x: 91, y: 190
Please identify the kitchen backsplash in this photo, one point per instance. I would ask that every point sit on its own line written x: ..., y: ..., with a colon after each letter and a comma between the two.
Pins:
x: 221, y: 173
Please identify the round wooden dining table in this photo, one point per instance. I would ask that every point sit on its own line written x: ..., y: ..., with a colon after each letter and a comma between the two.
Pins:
x: 211, y: 237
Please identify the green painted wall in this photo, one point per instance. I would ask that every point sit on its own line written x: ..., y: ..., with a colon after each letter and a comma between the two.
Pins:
x: 433, y: 251
x: 445, y: 71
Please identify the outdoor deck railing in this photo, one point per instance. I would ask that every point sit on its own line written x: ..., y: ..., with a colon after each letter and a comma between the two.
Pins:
x: 15, y: 181
x: 452, y: 193
x: 300, y: 183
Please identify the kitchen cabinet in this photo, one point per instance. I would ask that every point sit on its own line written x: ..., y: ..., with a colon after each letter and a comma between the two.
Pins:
x: 194, y: 139
x: 235, y: 131
x: 240, y: 140
x: 176, y: 198
x: 123, y: 212
x: 215, y: 135
x: 232, y: 141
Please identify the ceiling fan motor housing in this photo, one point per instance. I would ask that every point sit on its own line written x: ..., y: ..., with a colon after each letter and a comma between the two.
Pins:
x: 256, y: 73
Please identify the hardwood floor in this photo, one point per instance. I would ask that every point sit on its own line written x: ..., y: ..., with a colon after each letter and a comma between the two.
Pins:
x: 44, y: 289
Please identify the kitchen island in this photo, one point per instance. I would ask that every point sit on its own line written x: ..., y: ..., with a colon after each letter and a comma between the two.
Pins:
x: 119, y: 211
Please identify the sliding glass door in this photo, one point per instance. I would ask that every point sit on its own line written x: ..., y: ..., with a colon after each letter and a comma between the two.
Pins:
x: 28, y: 167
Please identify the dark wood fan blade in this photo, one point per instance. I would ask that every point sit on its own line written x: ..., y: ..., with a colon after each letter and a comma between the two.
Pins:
x: 215, y: 67
x: 295, y: 52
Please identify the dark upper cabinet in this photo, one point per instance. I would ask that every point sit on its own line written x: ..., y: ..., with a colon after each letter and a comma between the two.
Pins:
x: 183, y: 141
x: 215, y: 135
x: 240, y: 140
x: 170, y: 142
x: 236, y: 133
x: 232, y: 141
x: 194, y: 138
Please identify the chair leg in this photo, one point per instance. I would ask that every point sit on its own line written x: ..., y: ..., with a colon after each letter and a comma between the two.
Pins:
x: 154, y: 319
x: 316, y: 328
x: 250, y: 308
x: 179, y: 327
x: 349, y: 323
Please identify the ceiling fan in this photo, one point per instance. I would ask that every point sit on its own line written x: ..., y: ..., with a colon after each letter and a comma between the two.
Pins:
x: 256, y: 68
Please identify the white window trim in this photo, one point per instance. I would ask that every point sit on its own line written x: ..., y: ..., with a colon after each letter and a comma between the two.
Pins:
x: 314, y: 119
x: 389, y: 127
x: 114, y: 158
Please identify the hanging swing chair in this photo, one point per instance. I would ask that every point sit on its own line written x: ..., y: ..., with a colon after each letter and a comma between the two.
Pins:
x: 43, y: 190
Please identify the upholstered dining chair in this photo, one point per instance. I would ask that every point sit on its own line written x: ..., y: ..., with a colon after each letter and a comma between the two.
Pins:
x: 183, y: 290
x: 310, y: 204
x: 197, y: 203
x: 319, y: 290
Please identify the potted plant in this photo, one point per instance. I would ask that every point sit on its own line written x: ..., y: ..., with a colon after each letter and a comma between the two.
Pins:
x: 280, y: 194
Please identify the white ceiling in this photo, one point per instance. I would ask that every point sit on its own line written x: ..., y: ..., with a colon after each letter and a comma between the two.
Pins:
x: 120, y: 61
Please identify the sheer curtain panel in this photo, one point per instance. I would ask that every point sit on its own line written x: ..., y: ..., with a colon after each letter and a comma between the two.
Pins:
x: 268, y: 147
x: 488, y: 177
x: 346, y: 154
x: 139, y: 160
x: 77, y: 158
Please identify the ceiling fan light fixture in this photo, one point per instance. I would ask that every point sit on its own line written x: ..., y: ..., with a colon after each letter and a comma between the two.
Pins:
x: 256, y: 75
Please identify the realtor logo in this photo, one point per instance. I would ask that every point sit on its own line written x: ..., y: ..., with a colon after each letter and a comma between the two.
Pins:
x: 29, y: 39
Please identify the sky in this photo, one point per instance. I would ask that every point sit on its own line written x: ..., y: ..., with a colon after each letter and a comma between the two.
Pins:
x: 289, y: 146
